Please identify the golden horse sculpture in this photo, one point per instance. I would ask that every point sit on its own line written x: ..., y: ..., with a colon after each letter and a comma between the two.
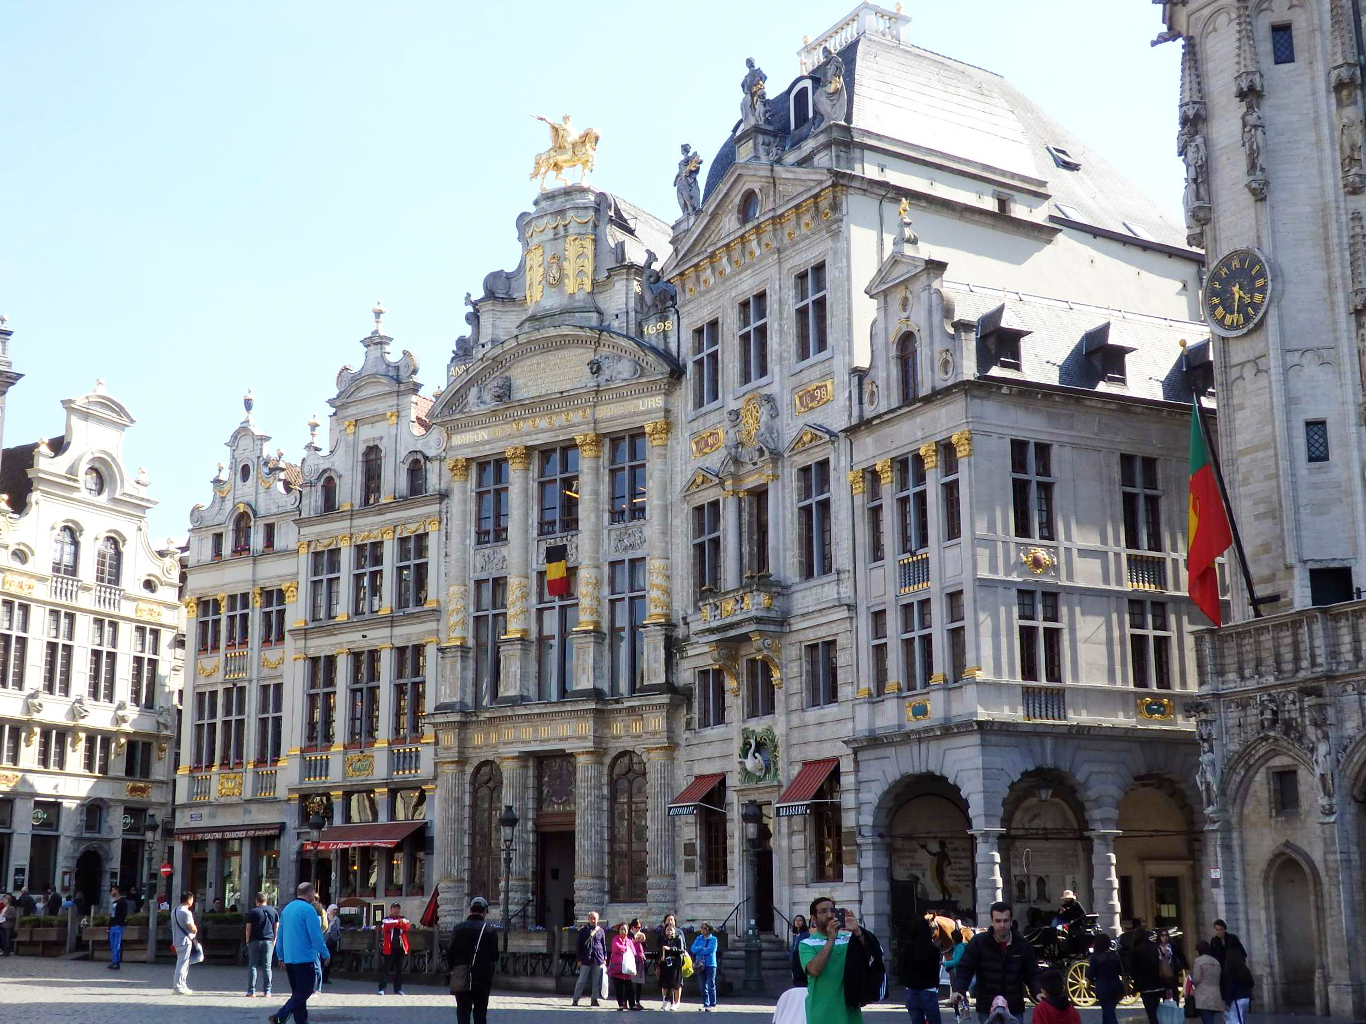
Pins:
x: 566, y: 150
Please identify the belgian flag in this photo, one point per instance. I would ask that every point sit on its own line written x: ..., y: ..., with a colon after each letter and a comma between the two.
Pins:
x: 1208, y: 531
x: 556, y: 572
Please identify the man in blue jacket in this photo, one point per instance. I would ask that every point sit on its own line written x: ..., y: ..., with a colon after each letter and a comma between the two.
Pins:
x: 299, y: 944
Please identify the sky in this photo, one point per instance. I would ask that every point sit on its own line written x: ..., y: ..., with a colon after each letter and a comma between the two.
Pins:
x: 197, y: 198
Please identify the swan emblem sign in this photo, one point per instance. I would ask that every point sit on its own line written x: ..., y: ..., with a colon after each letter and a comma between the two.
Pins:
x: 758, y: 756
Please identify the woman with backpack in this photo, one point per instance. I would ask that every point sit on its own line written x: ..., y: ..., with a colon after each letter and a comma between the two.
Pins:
x: 1107, y: 977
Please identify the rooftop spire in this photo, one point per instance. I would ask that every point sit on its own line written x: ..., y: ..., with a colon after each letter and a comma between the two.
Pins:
x: 378, y: 311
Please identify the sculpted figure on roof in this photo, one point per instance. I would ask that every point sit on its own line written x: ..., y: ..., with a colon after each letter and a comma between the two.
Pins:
x: 832, y: 98
x: 754, y: 106
x: 685, y: 181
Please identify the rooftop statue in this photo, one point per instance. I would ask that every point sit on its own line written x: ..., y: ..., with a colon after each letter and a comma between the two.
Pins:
x: 754, y: 107
x: 685, y: 181
x: 566, y: 150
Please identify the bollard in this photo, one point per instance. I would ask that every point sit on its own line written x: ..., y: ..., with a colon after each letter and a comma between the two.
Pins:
x: 73, y: 920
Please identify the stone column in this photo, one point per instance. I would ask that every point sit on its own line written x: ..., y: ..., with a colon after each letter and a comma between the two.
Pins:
x: 590, y: 852
x: 662, y: 891
x: 516, y: 788
x: 452, y: 830
x: 457, y: 583
x: 1104, y: 879
x: 987, y: 854
x: 590, y: 645
x: 733, y: 564
x: 658, y: 600
x: 518, y: 679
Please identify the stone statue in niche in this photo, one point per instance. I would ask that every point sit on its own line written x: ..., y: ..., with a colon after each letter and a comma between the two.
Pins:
x: 754, y: 105
x: 1349, y: 142
x: 611, y: 368
x: 494, y: 391
x: 831, y: 100
x: 1269, y: 712
x: 1324, y: 764
x: 656, y: 294
x: 685, y: 181
x: 1254, y: 147
x: 1207, y: 771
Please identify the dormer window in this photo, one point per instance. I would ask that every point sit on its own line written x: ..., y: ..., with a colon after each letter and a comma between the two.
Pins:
x: 800, y: 104
x: 94, y: 482
x: 371, y: 464
x: 1112, y: 365
x: 1067, y: 212
x: 999, y: 340
x: 329, y: 494
x: 417, y: 476
x: 749, y: 206
x: 1106, y: 354
x: 1063, y: 159
x: 907, y: 366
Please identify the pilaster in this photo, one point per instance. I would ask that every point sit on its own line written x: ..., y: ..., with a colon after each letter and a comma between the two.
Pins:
x: 517, y: 792
x: 590, y: 853
x: 451, y: 834
x: 662, y: 893
x: 590, y: 648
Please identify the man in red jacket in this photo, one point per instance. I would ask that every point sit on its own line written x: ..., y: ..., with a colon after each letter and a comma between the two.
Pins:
x: 393, y: 948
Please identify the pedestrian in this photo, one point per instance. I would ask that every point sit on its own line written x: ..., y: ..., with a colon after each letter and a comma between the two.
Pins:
x: 1170, y: 964
x: 621, y: 966
x: 216, y: 907
x: 704, y: 965
x: 471, y: 947
x: 1223, y: 941
x: 82, y: 905
x: 1146, y: 972
x: 800, y: 930
x: 118, y: 919
x: 1055, y: 1007
x: 590, y: 952
x: 54, y: 903
x: 637, y: 936
x: 262, y: 922
x: 1125, y: 944
x: 670, y: 968
x: 1107, y: 978
x: 918, y: 970
x: 824, y: 954
x: 669, y: 919
x: 1238, y: 985
x: 1003, y: 964
x: 319, y: 964
x: 184, y: 936
x: 1205, y: 977
x: 393, y: 948
x: 299, y: 939
x: 954, y: 956
x: 332, y: 936
x: 9, y: 916
x: 27, y: 904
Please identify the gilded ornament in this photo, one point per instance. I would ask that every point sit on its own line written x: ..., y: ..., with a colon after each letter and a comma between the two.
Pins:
x: 657, y: 591
x: 1155, y: 709
x: 707, y: 442
x: 750, y: 420
x: 151, y: 612
x: 566, y: 150
x: 267, y: 663
x: 1038, y: 560
x: 962, y: 443
x: 392, y: 417
x: 459, y: 469
x: 929, y: 455
x: 456, y: 613
x: 658, y: 432
x: 590, y: 445
x: 191, y: 607
x: 517, y: 607
x: 230, y: 784
x: 884, y: 471
x: 856, y: 481
x: 578, y: 258
x: 590, y: 599
x: 205, y: 671
x: 535, y: 274
x: 359, y: 765
x: 256, y: 597
x: 350, y: 426
x: 291, y: 590
x: 16, y: 584
x: 554, y: 271
x: 813, y: 396
x: 138, y: 790
x: 918, y: 710
x: 519, y: 457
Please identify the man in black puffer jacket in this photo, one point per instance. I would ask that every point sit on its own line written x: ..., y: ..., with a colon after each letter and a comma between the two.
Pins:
x: 1002, y: 961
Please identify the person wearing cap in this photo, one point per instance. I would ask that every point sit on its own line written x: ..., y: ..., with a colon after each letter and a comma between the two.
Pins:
x: 474, y: 943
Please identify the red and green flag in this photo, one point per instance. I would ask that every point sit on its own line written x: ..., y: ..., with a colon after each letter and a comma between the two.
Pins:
x: 556, y: 571
x: 1208, y: 533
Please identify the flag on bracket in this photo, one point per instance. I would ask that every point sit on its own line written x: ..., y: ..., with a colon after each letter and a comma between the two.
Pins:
x: 556, y: 571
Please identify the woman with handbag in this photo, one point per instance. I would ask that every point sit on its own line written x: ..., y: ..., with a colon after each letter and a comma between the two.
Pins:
x: 670, y: 968
x: 1203, y: 985
x: 473, y: 956
x: 1170, y: 964
x: 621, y: 966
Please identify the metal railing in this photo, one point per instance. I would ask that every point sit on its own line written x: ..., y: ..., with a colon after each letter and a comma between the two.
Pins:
x: 405, y: 760
x: 913, y: 572
x: 317, y: 767
x: 733, y: 911
x: 1043, y: 703
x: 263, y: 782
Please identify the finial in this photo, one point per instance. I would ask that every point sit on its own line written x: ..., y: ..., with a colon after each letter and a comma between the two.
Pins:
x: 313, y: 430
x: 248, y: 400
x: 1183, y: 344
x: 142, y: 479
x: 99, y: 385
x: 3, y: 319
x: 379, y: 316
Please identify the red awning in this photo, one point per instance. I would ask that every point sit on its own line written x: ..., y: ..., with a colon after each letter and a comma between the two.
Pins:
x: 796, y: 798
x: 694, y: 793
x: 195, y: 834
x: 387, y: 835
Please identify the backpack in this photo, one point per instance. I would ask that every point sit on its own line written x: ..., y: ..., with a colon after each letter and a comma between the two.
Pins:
x: 865, y: 973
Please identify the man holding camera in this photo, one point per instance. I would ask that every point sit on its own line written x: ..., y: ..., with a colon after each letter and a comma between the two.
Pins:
x: 823, y: 955
x: 1003, y: 963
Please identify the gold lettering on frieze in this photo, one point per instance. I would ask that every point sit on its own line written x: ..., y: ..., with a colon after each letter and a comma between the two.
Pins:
x: 813, y: 395
x: 707, y: 441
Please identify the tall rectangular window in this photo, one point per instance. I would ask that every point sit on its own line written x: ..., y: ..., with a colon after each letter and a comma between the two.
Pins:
x: 10, y: 732
x: 760, y: 695
x: 490, y: 622
x: 137, y: 759
x: 1141, y: 493
x: 627, y: 479
x: 411, y: 572
x: 1031, y: 481
x: 1316, y: 440
x: 267, y: 536
x: 238, y: 620
x: 491, y: 501
x: 146, y: 655
x: 362, y: 699
x: 951, y: 508
x: 1150, y: 645
x: 204, y: 748
x: 320, y: 701
x: 97, y: 750
x: 626, y: 623
x: 878, y: 626
x: 14, y: 643
x: 912, y: 504
x: 1285, y: 792
x: 872, y: 489
x: 1282, y: 44
x: 269, y: 719
x: 232, y: 727
x: 957, y: 635
x: 710, y: 698
x: 52, y: 749
x: 712, y: 836
x: 917, y: 643
x: 1040, y: 636
x: 372, y: 471
x: 822, y: 674
x: 754, y: 338
x: 209, y: 626
x: 367, y: 578
x: 272, y: 616
x: 324, y: 584
x: 558, y: 483
x: 808, y: 295
x: 706, y: 364
x: 57, y: 660
x: 556, y: 617
x: 813, y: 518
x: 410, y: 691
x: 104, y: 645
x: 706, y: 546
x: 754, y: 524
x: 827, y: 861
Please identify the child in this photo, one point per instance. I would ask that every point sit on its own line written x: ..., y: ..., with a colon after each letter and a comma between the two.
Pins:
x: 1055, y: 1007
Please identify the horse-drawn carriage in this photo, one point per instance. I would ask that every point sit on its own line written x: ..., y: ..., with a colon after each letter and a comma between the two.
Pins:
x: 1068, y: 950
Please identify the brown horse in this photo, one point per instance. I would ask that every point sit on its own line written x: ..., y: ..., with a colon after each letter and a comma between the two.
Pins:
x: 942, y: 930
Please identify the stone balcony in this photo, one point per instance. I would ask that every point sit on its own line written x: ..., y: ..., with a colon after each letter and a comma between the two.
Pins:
x: 760, y: 604
x: 1304, y: 646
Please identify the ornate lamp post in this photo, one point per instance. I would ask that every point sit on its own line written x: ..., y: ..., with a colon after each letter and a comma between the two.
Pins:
x: 316, y: 822
x: 508, y: 822
x: 151, y: 826
x: 752, y: 815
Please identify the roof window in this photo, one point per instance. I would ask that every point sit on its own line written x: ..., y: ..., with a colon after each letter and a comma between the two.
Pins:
x: 749, y: 206
x: 1106, y: 354
x: 1138, y: 231
x: 801, y: 104
x: 1067, y: 212
x: 1063, y: 159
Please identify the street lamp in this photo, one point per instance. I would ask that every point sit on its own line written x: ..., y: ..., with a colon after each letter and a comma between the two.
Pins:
x: 316, y: 821
x: 753, y: 817
x: 151, y: 826
x: 508, y: 822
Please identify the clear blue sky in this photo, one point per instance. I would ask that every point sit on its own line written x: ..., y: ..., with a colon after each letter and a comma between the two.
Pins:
x: 200, y: 197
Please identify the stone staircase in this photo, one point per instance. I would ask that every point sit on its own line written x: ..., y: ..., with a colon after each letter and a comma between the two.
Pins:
x: 773, y: 968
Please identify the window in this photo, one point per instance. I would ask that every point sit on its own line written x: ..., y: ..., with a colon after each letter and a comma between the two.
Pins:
x: 209, y: 625
x: 205, y: 732
x: 417, y: 476
x: 232, y: 726
x: 324, y: 584
x: 146, y: 652
x: 1112, y: 366
x: 556, y: 618
x: 908, y: 367
x: 1138, y: 230
x: 66, y: 552
x: 408, y: 805
x: 822, y: 685
x: 626, y: 621
x: 917, y: 642
x: 97, y: 748
x: 329, y: 493
x: 9, y: 742
x: 1040, y: 636
x: 52, y: 749
x: 137, y: 759
x: 241, y: 534
x: 813, y: 516
x: 360, y: 869
x: 706, y: 546
x: 800, y: 105
x: 760, y: 696
x: 109, y: 563
x: 878, y: 628
x: 94, y: 482
x: 749, y: 206
x: 1006, y: 344
x: 411, y: 572
x: 754, y: 531
x: 1031, y: 469
x: 362, y: 699
x: 490, y: 622
x: 827, y: 861
x: 948, y: 488
x: 808, y: 296
x: 706, y: 367
x: 1283, y: 44
x: 238, y: 620
x: 712, y: 834
x: 1067, y: 212
x: 872, y: 489
x: 92, y: 821
x: 1141, y: 493
x: 754, y: 338
x: 1150, y: 642
x: 361, y: 807
x: 1285, y: 792
x: 558, y: 481
x: 626, y: 468
x: 14, y: 645
x: 912, y: 503
x: 367, y: 578
x: 1316, y: 440
x: 216, y: 547
x: 1331, y: 584
x: 272, y: 616
x: 711, y: 698
x: 104, y: 643
x: 371, y: 473
x: 1063, y: 159
x: 491, y: 498
x: 267, y: 536
x: 629, y: 825
x: 269, y: 721
x: 486, y: 802
x: 410, y: 690
x: 320, y: 701
x: 957, y: 635
x: 1004, y: 204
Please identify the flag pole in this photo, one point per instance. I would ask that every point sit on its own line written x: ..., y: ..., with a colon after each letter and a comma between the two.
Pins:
x: 1223, y: 491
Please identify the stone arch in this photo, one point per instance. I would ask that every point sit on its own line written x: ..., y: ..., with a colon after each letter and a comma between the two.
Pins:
x: 1292, y: 895
x: 1046, y: 848
x: 1239, y: 772
x: 1157, y: 855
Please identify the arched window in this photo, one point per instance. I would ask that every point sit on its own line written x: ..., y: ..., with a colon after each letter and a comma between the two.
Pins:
x: 486, y: 803
x: 629, y: 828
x: 109, y: 563
x: 907, y: 361
x: 66, y: 552
x: 329, y: 494
x: 241, y: 533
x: 749, y: 206
x: 801, y: 104
x: 417, y: 476
x: 94, y: 482
x: 371, y: 466
x: 93, y: 822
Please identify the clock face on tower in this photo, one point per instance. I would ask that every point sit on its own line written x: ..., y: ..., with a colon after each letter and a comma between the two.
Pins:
x: 1237, y: 292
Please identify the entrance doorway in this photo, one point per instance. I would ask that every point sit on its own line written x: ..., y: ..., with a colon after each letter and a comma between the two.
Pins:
x: 763, y: 884
x: 555, y: 905
x: 1292, y: 905
x: 90, y: 876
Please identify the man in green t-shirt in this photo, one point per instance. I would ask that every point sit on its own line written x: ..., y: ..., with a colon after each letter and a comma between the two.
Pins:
x: 823, y: 953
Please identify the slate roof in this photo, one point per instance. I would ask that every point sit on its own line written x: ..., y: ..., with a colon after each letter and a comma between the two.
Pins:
x: 15, y: 463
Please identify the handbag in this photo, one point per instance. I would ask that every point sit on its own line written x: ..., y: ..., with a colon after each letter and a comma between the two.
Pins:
x: 687, y: 965
x: 462, y: 975
x: 1168, y: 1012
